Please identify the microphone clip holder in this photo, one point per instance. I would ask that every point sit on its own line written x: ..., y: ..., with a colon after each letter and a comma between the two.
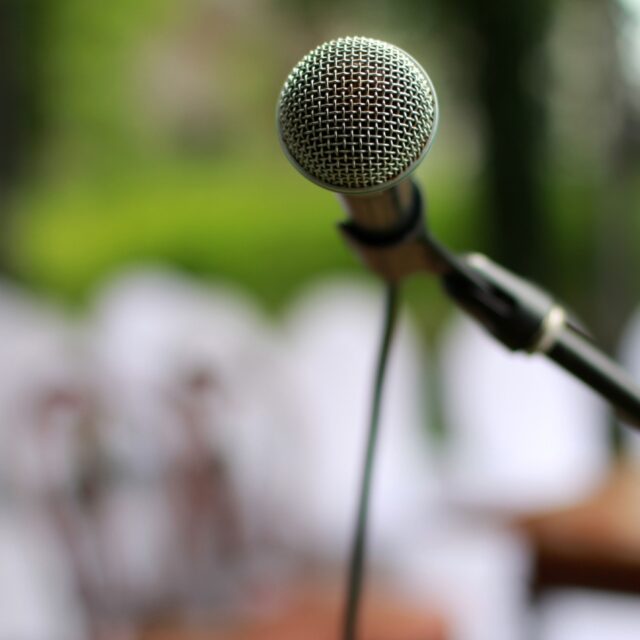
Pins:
x: 400, y: 251
x: 524, y: 317
x: 519, y: 314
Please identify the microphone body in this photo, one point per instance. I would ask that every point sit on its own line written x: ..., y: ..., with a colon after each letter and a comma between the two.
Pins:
x: 381, y: 211
x: 357, y: 116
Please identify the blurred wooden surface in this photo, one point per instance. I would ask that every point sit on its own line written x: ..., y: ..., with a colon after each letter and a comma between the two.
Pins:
x: 594, y: 544
x: 315, y: 614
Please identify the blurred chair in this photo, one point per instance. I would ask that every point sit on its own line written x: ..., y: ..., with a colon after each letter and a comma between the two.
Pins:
x: 522, y: 434
x: 595, y: 543
x: 186, y: 377
x: 530, y: 442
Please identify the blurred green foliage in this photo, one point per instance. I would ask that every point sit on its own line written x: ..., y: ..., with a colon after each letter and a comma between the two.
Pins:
x: 261, y: 226
x: 131, y: 170
x: 222, y: 220
x: 112, y: 189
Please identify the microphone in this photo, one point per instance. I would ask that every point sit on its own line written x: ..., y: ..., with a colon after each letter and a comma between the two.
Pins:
x: 357, y: 116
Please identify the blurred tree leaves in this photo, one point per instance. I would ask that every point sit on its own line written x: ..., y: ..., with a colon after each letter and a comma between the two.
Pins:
x: 110, y: 126
x: 23, y: 37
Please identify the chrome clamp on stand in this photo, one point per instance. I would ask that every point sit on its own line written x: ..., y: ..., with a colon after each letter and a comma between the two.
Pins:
x: 516, y: 312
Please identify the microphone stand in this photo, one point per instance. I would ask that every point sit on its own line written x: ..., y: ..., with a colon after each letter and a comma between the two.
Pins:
x: 516, y: 312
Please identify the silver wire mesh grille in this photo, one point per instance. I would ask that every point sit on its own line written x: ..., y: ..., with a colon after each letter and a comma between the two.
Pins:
x: 356, y: 114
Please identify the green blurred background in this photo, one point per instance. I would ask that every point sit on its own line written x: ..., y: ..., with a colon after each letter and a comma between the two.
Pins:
x: 143, y: 131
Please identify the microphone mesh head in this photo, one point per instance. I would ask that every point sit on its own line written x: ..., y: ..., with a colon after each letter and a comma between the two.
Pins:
x: 357, y: 115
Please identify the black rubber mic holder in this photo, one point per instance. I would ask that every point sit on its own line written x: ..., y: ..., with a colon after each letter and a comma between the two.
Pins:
x: 519, y: 314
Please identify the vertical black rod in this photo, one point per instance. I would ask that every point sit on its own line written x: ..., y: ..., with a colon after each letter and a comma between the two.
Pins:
x: 358, y: 549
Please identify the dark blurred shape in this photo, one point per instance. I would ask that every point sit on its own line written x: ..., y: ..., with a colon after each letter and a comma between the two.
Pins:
x: 593, y: 543
x: 501, y: 45
x: 508, y: 38
x: 22, y: 29
x: 615, y: 293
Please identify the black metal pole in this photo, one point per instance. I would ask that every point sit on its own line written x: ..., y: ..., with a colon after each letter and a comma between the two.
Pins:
x: 586, y: 362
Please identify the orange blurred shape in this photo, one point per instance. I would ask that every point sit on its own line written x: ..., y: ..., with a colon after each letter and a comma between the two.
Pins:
x: 316, y: 615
